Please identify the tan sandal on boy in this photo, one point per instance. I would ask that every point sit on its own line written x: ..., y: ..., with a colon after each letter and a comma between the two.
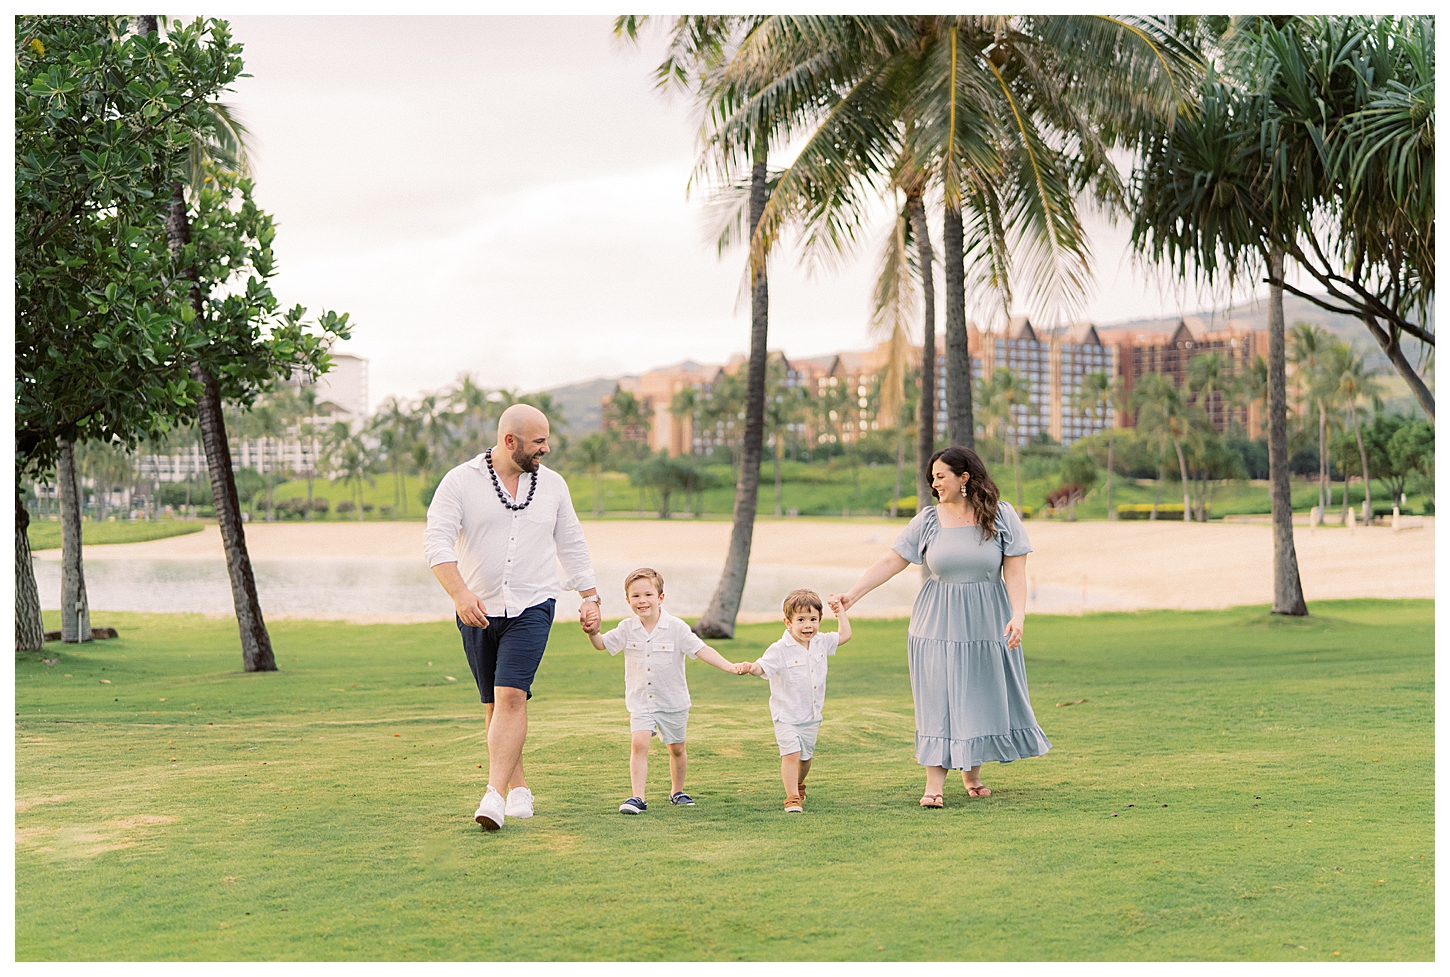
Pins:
x: 793, y: 805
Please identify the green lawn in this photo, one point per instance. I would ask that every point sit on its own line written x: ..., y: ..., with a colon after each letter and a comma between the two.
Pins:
x: 46, y: 535
x: 1234, y: 787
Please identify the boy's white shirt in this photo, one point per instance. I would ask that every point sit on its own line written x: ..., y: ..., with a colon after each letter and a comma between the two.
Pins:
x: 797, y: 676
x: 654, y: 662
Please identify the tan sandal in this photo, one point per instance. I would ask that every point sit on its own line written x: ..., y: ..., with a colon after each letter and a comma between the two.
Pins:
x: 931, y: 800
x: 801, y: 790
x: 981, y: 790
x: 793, y: 805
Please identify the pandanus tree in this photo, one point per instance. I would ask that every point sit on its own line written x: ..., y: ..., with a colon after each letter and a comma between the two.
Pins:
x: 1098, y: 394
x: 1204, y: 208
x: 1348, y: 130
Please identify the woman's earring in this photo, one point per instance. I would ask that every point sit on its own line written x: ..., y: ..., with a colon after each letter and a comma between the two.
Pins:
x: 964, y: 489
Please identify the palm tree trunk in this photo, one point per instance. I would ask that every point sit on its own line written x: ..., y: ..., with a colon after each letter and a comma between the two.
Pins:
x: 1324, y: 490
x: 75, y: 613
x: 926, y: 433
x: 29, y: 627
x: 256, y: 643
x: 1158, y: 495
x: 959, y: 359
x: 1017, y: 473
x: 1112, y: 513
x: 1363, y: 464
x: 1183, y: 474
x: 777, y: 474
x: 900, y: 461
x: 718, y: 621
x: 1288, y: 593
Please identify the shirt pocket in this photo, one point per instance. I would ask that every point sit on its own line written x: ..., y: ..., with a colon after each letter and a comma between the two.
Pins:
x: 634, y: 646
x: 795, y: 661
x: 541, y: 512
x: 664, y: 646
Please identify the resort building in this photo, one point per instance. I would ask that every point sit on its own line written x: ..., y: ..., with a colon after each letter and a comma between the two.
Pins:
x: 1140, y: 353
x: 1054, y: 364
x: 342, y: 395
x: 849, y: 379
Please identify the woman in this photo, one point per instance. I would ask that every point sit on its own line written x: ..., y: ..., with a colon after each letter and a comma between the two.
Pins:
x: 964, y: 644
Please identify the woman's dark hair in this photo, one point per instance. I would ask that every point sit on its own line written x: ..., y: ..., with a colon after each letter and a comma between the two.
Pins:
x: 981, y: 492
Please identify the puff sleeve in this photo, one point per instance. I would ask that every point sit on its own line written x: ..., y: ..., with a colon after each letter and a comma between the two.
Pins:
x: 1011, y: 534
x: 910, y: 545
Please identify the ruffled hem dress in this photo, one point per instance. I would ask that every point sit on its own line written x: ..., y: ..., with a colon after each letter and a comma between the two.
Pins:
x: 969, y: 688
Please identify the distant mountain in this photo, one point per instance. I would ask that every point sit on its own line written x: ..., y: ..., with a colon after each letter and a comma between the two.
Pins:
x: 1397, y: 396
x: 1255, y: 315
x: 580, y: 402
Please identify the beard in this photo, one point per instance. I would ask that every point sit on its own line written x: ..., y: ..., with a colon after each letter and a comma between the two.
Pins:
x: 525, y: 461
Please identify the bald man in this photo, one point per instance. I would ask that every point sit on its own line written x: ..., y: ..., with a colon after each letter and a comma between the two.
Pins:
x: 498, y: 527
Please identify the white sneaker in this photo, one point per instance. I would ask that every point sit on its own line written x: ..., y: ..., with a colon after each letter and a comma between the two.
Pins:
x: 520, y: 803
x: 490, y: 811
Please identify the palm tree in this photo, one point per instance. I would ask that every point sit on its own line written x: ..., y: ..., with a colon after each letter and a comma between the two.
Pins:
x: 1354, y: 381
x: 1309, y: 347
x: 1209, y: 377
x: 225, y: 151
x: 1099, y: 393
x: 308, y: 431
x: 431, y: 422
x: 974, y: 104
x: 269, y: 421
x: 395, y: 428
x: 1005, y: 399
x: 892, y: 308
x: 595, y: 452
x: 1162, y: 411
x: 355, y: 465
x: 472, y: 411
x: 784, y: 406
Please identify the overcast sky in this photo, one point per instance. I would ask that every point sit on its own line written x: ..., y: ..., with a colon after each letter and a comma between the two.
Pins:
x: 507, y: 196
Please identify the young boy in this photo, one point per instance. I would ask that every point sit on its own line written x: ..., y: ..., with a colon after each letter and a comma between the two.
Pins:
x: 655, y: 647
x: 796, y: 668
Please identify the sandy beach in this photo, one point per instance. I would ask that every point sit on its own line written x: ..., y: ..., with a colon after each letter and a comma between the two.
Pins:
x: 1074, y: 566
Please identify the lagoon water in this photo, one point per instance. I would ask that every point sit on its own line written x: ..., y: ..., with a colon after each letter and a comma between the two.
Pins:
x: 373, y: 588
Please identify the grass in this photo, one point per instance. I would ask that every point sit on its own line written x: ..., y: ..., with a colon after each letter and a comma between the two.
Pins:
x: 1272, y: 781
x: 46, y: 535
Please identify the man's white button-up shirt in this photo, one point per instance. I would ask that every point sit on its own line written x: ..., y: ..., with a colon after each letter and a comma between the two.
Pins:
x: 798, y: 676
x: 508, y: 558
x: 654, y: 663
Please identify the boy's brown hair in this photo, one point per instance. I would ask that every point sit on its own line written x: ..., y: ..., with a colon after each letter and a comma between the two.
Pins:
x: 800, y: 600
x: 645, y: 573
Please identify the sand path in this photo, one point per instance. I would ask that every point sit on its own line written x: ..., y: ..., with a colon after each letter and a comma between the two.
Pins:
x: 1127, y: 566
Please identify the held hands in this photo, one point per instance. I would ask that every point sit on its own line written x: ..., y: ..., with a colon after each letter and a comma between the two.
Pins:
x: 589, y: 616
x: 839, y: 603
x: 742, y: 668
x: 1013, y: 631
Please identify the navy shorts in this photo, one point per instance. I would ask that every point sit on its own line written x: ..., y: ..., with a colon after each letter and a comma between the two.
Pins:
x: 509, y: 650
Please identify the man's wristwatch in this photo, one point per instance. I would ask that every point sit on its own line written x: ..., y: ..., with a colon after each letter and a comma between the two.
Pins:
x: 594, y: 597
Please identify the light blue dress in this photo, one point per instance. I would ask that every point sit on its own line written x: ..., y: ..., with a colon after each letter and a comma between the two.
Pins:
x: 969, y: 688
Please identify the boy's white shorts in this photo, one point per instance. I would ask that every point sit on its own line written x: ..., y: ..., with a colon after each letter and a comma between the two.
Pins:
x: 797, y: 738
x: 669, y: 725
